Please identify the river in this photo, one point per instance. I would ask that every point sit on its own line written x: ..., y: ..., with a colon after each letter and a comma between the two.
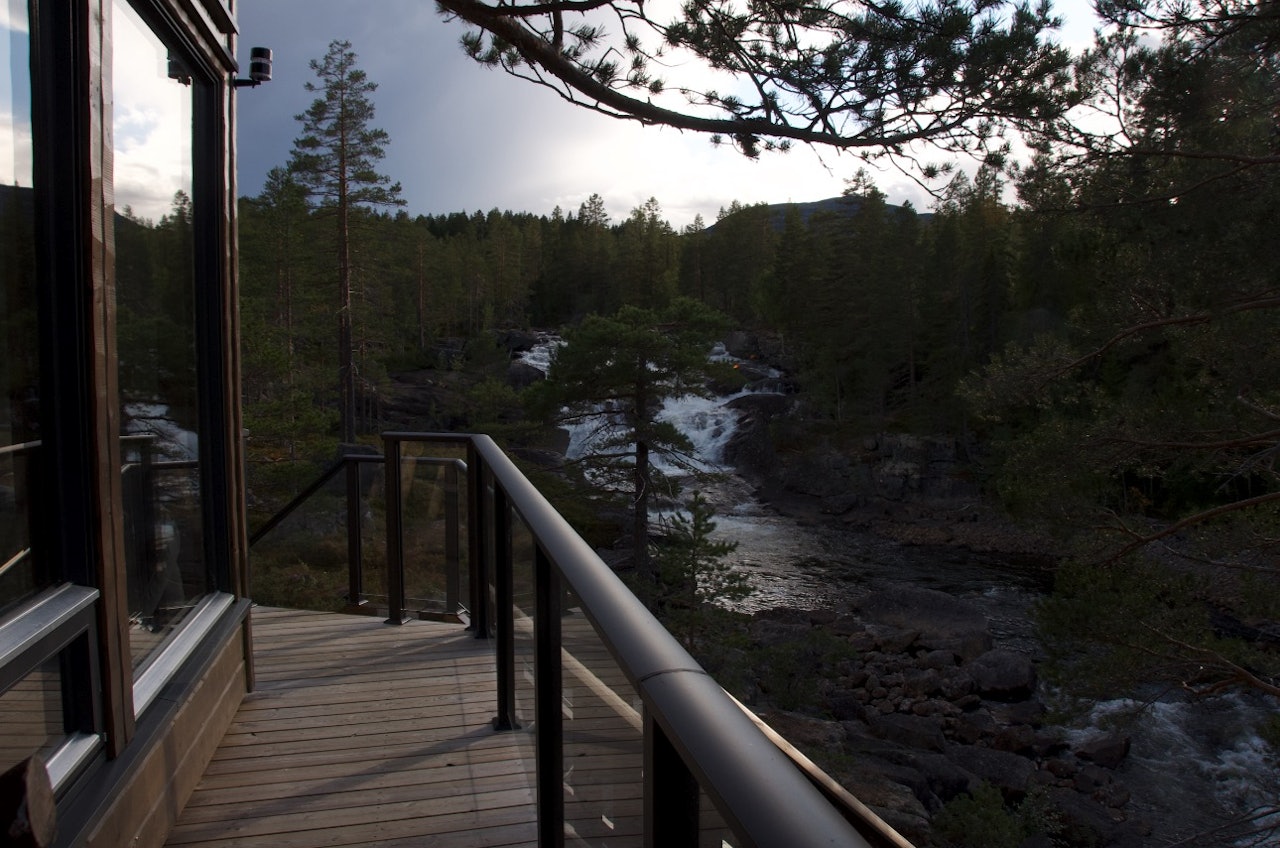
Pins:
x: 1194, y: 765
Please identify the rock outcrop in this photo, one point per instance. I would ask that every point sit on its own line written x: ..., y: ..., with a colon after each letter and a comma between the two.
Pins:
x: 926, y: 710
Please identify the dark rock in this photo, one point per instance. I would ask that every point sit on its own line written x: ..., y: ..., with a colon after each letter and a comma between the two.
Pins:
x: 944, y: 778
x: 1003, y: 675
x: 905, y: 775
x: 521, y: 375
x: 956, y: 684
x: 1113, y: 795
x: 847, y: 625
x: 1091, y: 778
x: 741, y: 344
x: 770, y: 633
x: 1084, y: 820
x: 761, y: 405
x: 921, y: 684
x: 1107, y: 749
x: 910, y: 730
x: 1018, y: 739
x: 937, y: 660
x: 820, y: 474
x: 805, y: 732
x: 944, y: 622
x: 969, y: 728
x: 1048, y: 743
x: 840, y: 504
x: 517, y: 341
x: 1007, y: 772
x: 846, y: 706
x: 1063, y: 768
x: 933, y: 707
x: 822, y: 617
x: 891, y: 639
x: 750, y: 449
x: 1030, y: 713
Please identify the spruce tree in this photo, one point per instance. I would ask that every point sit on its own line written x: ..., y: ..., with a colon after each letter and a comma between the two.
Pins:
x: 334, y: 160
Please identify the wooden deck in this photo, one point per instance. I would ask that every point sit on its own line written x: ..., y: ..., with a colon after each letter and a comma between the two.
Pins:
x: 360, y: 733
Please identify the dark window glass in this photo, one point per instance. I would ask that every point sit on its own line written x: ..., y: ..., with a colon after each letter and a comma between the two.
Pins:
x: 156, y: 337
x: 20, y: 574
x: 31, y: 718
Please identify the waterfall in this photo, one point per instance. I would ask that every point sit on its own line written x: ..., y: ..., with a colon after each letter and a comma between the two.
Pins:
x: 708, y: 422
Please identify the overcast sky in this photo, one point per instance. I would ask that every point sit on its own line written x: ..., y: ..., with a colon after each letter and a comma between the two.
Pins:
x: 466, y: 138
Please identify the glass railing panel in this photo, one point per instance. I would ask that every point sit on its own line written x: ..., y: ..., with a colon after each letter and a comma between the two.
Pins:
x: 302, y: 562
x: 31, y: 716
x: 432, y: 505
x: 603, y: 739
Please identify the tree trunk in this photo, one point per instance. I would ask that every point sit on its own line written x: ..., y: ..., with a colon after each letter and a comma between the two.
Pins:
x: 640, y: 514
x: 346, y: 371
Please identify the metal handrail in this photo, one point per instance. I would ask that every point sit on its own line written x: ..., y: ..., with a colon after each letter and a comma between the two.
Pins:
x: 356, y: 595
x: 303, y: 496
x: 21, y: 447
x: 695, y: 734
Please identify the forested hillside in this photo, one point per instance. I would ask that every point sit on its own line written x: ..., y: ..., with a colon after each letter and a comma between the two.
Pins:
x: 1105, y: 349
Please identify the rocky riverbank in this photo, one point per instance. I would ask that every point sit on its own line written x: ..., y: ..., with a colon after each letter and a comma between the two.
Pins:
x: 918, y: 708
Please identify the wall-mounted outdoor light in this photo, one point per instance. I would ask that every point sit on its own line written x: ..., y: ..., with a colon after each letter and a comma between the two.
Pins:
x: 259, y: 67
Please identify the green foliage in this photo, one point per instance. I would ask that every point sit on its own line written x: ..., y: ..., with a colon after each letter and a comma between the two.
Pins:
x: 982, y: 820
x: 1138, y: 411
x: 691, y: 563
x: 297, y: 585
x: 614, y: 371
x: 333, y: 161
x: 789, y: 674
x: 852, y: 75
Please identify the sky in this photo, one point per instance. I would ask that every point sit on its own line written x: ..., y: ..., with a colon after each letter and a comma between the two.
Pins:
x: 465, y: 138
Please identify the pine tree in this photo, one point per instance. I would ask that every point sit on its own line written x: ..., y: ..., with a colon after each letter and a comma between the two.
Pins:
x: 334, y: 160
x: 615, y: 371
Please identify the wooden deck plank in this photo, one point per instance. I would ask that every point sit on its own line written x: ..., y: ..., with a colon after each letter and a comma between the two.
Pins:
x: 365, y: 734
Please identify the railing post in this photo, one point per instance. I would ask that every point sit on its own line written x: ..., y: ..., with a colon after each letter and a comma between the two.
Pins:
x: 670, y: 793
x: 504, y: 601
x: 548, y: 692
x: 355, y: 551
x: 477, y: 525
x: 451, y: 546
x: 395, y: 542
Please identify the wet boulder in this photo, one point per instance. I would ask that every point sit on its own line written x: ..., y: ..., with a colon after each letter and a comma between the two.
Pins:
x: 1003, y: 675
x: 521, y: 374
x: 1009, y: 773
x: 1107, y: 749
x: 920, y: 732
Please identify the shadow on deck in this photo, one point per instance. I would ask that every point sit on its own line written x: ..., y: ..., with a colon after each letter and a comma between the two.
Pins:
x: 363, y: 734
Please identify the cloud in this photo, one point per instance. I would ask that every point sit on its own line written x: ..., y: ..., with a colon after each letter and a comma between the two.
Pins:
x: 466, y: 138
x: 151, y: 122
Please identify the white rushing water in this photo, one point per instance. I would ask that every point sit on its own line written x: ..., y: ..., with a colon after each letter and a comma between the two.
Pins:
x: 1201, y: 765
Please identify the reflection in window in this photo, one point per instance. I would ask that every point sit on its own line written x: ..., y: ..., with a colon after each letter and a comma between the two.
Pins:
x: 155, y: 330
x: 31, y: 717
x: 20, y: 575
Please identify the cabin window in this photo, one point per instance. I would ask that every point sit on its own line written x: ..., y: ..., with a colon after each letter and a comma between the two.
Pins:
x: 21, y: 571
x: 155, y: 90
x: 32, y: 716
